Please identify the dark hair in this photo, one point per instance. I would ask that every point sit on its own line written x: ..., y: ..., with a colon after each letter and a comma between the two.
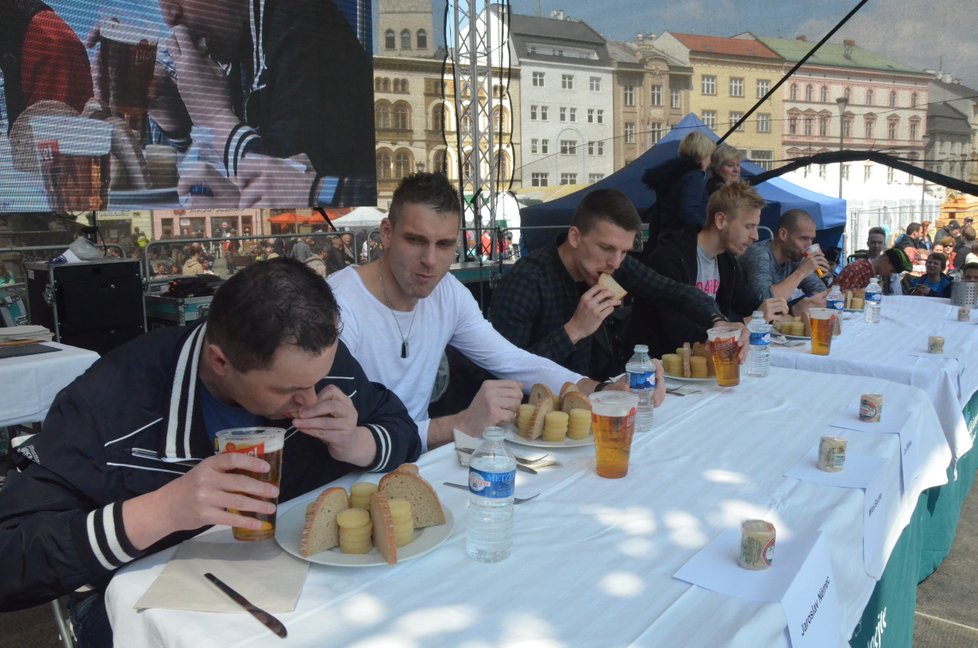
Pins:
x: 940, y: 257
x: 431, y: 189
x: 952, y: 224
x: 270, y: 304
x: 947, y: 242
x: 876, y: 230
x: 913, y: 228
x: 608, y: 205
x: 968, y: 232
x: 832, y: 254
x: 730, y: 199
x: 969, y: 266
x: 791, y: 218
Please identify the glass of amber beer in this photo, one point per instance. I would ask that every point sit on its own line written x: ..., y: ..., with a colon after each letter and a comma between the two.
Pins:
x: 73, y: 155
x: 823, y: 320
x: 264, y: 443
x: 126, y: 63
x: 723, y: 346
x: 613, y: 423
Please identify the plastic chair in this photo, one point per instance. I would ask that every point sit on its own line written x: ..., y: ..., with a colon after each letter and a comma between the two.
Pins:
x: 762, y: 229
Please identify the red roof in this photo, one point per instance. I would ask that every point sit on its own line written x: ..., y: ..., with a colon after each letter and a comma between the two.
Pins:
x: 728, y: 46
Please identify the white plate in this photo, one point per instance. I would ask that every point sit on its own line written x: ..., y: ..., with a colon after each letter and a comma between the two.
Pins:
x: 288, y: 530
x: 514, y: 437
x: 711, y: 379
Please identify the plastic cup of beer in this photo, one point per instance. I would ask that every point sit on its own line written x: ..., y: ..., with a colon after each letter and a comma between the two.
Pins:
x: 613, y: 423
x: 723, y: 344
x: 126, y: 63
x: 822, y: 320
x: 73, y: 155
x: 812, y: 249
x: 265, y: 443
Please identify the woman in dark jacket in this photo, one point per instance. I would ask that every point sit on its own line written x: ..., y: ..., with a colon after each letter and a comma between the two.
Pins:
x: 680, y: 188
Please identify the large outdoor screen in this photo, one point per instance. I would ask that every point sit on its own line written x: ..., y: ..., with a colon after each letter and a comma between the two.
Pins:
x: 164, y: 104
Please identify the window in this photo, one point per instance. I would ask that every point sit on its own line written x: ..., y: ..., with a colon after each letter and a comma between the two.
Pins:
x: 762, y: 158
x: 568, y: 178
x: 734, y: 118
x: 595, y: 148
x: 390, y: 42
x: 590, y: 115
x: 845, y: 171
x: 422, y: 39
x: 809, y: 97
x: 847, y: 93
x: 823, y: 94
x: 539, y: 180
x: 891, y: 129
x: 594, y: 84
x: 889, y: 175
x: 913, y: 130
x: 599, y: 118
x: 823, y: 126
x: 822, y: 172
x: 534, y: 112
x: 892, y: 98
x: 655, y: 132
x: 402, y: 116
x: 736, y: 87
x: 710, y: 119
x: 405, y: 39
x: 438, y: 118
x: 384, y: 165
x: 763, y: 122
x: 403, y: 165
x: 562, y: 111
x: 763, y: 87
x: 656, y: 95
x: 847, y: 127
x: 913, y: 100
x: 809, y: 125
x: 567, y: 81
x: 568, y: 147
x: 709, y: 84
x: 675, y: 99
x: 867, y: 172
x: 382, y: 115
x: 538, y: 79
x: 793, y: 92
x: 573, y: 114
x: 629, y: 132
x: 869, y: 125
x: 534, y: 145
x: 544, y: 146
x: 594, y: 177
x: 792, y: 124
x: 629, y: 95
x: 869, y: 97
x: 543, y: 113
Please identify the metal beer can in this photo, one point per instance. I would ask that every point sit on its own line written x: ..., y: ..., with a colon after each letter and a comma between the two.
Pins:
x: 756, y: 544
x: 831, y: 454
x: 870, y: 408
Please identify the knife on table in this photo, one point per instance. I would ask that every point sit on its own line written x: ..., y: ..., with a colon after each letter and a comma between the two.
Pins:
x: 267, y: 619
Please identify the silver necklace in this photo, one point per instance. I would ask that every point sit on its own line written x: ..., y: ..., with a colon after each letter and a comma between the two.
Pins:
x: 404, y: 338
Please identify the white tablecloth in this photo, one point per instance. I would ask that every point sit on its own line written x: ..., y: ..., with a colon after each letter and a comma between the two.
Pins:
x: 28, y: 384
x: 884, y: 350
x: 593, y: 558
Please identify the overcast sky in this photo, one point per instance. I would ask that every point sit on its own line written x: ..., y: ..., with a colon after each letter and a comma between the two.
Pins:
x: 918, y: 33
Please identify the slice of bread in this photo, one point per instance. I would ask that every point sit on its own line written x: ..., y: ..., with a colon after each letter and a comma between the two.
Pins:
x: 320, y: 531
x: 575, y: 400
x: 425, y: 506
x: 540, y: 392
x: 535, y: 429
x: 409, y: 468
x: 385, y: 540
x: 567, y: 388
x: 608, y: 282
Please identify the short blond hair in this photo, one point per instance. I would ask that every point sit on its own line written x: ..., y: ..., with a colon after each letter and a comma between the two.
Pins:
x: 722, y: 154
x: 696, y: 145
x: 730, y: 199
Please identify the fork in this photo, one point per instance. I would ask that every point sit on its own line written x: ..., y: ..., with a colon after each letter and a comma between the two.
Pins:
x: 538, y: 462
x: 516, y: 500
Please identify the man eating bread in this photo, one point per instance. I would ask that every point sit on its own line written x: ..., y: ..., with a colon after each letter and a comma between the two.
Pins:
x: 555, y: 301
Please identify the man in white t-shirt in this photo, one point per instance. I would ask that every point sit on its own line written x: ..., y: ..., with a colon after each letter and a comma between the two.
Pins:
x: 401, y: 311
x: 707, y: 260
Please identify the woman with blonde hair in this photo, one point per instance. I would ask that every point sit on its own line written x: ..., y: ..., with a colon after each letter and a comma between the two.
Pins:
x: 680, y: 188
x: 724, y: 167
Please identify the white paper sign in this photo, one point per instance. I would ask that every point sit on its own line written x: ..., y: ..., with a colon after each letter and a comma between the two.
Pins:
x: 811, y: 602
x: 878, y: 507
x: 891, y: 422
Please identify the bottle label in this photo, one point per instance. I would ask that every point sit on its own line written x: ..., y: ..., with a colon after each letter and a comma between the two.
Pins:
x: 494, y: 485
x: 760, y: 339
x: 873, y: 297
x: 836, y: 304
x: 641, y: 380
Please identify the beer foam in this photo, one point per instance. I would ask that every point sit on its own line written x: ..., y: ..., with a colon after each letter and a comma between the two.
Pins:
x: 131, y: 32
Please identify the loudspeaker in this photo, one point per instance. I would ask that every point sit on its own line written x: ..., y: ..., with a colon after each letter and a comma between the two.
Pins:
x: 95, y: 305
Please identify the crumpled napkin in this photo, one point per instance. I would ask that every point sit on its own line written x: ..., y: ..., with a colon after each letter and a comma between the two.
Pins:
x: 260, y: 571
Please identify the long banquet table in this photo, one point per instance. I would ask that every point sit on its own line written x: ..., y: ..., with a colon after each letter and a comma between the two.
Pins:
x: 594, y: 558
x: 895, y: 349
x: 31, y: 382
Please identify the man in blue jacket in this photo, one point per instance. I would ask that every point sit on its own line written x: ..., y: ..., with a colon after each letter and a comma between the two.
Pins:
x: 125, y: 464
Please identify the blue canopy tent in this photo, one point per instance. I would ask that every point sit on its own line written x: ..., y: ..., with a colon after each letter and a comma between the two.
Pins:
x: 829, y: 213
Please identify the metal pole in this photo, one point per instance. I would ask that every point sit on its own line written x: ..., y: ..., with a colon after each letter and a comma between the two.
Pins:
x: 842, y: 102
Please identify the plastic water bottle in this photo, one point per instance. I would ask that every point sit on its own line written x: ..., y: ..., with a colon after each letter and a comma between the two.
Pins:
x: 835, y: 299
x: 759, y: 351
x: 641, y: 382
x: 492, y: 482
x: 872, y: 304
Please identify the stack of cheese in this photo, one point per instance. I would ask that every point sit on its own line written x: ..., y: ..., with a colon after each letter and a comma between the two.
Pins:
x: 555, y: 418
x: 382, y: 516
x: 689, y: 362
x: 793, y: 325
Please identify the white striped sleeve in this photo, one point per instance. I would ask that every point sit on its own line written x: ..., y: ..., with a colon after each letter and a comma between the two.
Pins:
x: 107, y: 537
x: 383, y: 440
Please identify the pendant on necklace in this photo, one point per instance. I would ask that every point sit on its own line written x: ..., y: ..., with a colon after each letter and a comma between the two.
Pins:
x: 404, y: 348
